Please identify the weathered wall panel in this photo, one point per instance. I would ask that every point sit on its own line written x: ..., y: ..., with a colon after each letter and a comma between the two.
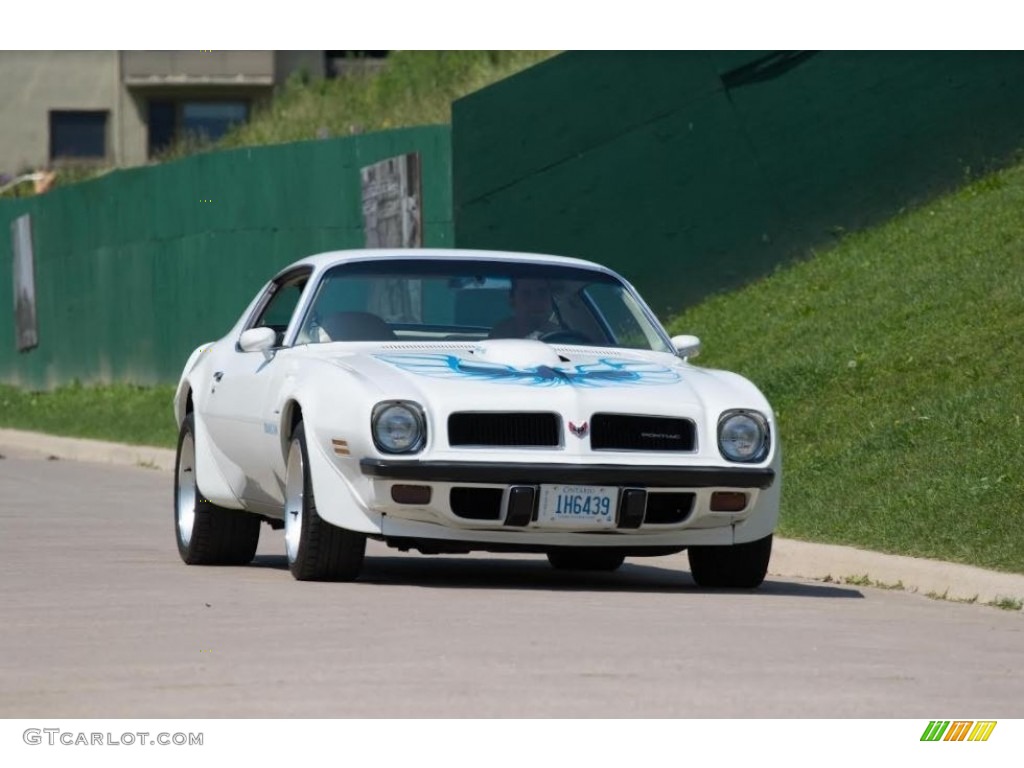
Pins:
x: 135, y: 269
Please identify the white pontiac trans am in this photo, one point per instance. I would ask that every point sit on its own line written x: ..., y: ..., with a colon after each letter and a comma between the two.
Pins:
x: 455, y: 400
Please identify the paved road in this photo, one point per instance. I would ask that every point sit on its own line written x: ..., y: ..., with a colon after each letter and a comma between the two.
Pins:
x: 99, y: 618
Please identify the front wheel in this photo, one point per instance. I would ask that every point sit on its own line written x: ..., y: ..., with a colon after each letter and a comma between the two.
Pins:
x: 207, y: 534
x: 740, y: 566
x: 317, y: 550
x: 585, y: 559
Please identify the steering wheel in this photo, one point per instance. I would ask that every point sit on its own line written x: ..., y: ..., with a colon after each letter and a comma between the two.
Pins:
x: 565, y: 337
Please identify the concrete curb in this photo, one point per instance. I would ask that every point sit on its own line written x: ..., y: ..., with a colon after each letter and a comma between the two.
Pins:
x: 789, y: 558
x: 927, y: 577
x: 14, y: 442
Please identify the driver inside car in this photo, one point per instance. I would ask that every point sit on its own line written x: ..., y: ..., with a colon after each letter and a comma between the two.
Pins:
x: 533, y: 313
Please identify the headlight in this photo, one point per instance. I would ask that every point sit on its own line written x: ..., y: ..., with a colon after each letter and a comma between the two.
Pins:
x: 398, y: 427
x: 743, y: 436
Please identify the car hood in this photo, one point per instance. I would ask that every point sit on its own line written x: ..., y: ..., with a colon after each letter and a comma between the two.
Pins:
x: 517, y: 374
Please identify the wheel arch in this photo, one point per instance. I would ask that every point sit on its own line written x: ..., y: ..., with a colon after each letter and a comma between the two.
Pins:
x: 291, y: 416
x: 183, y: 394
x: 183, y: 404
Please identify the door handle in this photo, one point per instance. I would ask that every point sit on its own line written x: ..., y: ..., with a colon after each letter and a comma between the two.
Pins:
x: 218, y: 375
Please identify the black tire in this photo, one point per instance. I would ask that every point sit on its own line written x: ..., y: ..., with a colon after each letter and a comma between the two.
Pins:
x: 740, y: 566
x: 322, y: 552
x: 207, y: 534
x: 593, y: 559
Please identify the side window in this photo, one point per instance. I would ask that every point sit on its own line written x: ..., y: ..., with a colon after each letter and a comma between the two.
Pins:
x: 277, y: 312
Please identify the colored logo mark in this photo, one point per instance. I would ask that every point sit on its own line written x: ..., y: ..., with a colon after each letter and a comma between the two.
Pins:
x: 958, y: 730
x: 607, y: 372
x: 580, y: 431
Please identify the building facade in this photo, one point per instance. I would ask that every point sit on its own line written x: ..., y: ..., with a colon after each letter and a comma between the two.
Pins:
x: 124, y: 107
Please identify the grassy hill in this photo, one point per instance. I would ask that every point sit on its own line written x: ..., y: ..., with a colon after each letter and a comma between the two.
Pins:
x: 413, y: 88
x: 895, y: 361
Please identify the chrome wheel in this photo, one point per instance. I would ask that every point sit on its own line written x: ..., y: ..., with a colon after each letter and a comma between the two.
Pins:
x: 185, y: 507
x: 294, y: 498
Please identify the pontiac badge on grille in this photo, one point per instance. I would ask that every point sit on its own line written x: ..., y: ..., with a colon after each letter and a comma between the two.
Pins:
x: 580, y: 431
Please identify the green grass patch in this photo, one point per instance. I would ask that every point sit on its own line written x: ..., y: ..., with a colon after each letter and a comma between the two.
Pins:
x: 967, y: 600
x: 864, y: 581
x: 895, y: 363
x: 1007, y: 603
x: 122, y: 413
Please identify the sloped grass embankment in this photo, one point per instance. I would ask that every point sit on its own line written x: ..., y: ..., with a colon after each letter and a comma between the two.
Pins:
x: 895, y: 361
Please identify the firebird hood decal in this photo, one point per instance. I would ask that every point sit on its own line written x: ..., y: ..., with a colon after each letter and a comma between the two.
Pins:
x: 606, y: 372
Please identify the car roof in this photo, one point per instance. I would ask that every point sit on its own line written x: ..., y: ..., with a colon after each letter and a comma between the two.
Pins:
x: 332, y: 258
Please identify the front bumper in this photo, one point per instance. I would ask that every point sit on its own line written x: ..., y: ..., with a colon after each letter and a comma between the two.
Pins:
x: 504, y: 473
x: 498, y: 503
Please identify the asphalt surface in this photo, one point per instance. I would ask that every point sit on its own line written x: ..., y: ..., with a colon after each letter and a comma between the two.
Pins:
x: 99, y: 618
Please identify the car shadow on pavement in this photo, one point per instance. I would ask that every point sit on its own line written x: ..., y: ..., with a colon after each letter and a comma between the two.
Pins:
x: 520, y: 573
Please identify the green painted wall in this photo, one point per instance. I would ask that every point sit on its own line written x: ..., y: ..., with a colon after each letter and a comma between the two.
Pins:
x: 694, y: 172
x: 134, y: 270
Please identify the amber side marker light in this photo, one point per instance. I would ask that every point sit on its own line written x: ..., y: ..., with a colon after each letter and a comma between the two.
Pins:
x: 728, y: 501
x: 410, y: 494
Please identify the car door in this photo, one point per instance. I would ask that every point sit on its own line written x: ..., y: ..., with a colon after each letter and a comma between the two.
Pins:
x: 240, y: 405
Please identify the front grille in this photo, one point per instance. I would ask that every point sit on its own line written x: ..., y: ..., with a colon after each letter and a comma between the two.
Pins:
x: 668, y: 508
x: 524, y: 430
x: 620, y: 432
x: 476, y: 503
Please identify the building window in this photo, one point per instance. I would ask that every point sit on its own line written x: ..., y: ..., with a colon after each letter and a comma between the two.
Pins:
x: 163, y: 123
x: 78, y: 135
x: 339, y: 63
x: 206, y: 120
x: 212, y: 119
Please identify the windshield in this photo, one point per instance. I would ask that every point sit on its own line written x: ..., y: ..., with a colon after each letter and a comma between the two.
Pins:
x: 462, y: 300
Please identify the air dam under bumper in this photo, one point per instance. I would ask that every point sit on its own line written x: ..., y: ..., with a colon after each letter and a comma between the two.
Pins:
x: 579, y: 474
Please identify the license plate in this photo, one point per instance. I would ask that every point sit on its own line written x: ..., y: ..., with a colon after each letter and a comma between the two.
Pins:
x: 577, y: 506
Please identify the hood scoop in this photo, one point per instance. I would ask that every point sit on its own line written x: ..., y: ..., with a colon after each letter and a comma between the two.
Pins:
x: 519, y: 353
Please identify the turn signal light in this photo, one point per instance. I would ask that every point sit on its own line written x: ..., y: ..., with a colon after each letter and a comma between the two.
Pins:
x: 410, y: 494
x: 728, y: 501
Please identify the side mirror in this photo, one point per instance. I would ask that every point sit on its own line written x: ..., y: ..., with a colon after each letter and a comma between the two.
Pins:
x: 257, y: 339
x: 686, y: 346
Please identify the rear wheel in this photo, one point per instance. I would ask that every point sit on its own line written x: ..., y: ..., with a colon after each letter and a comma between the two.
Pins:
x: 740, y: 566
x: 585, y: 559
x: 317, y: 550
x: 207, y: 534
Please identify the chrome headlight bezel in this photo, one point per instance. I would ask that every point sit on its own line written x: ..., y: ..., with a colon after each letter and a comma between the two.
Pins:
x: 398, y: 409
x: 761, y: 443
